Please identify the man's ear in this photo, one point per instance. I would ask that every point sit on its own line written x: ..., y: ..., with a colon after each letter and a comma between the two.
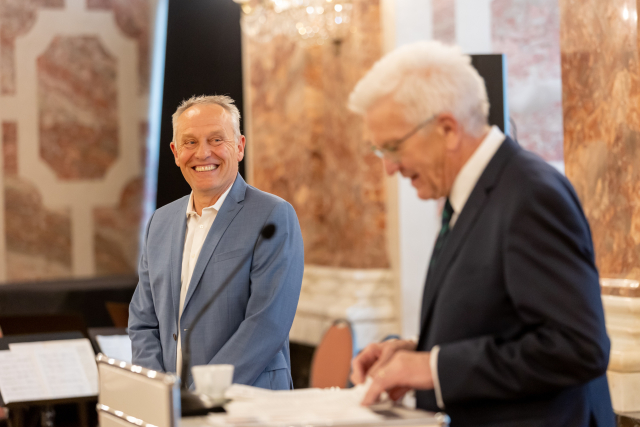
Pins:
x: 174, y: 150
x: 241, y: 144
x: 449, y: 129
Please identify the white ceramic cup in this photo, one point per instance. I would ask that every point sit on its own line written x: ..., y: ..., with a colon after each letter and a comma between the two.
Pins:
x: 212, y: 380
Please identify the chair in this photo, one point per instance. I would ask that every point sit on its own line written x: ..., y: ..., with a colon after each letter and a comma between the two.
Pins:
x: 331, y: 362
x: 119, y: 313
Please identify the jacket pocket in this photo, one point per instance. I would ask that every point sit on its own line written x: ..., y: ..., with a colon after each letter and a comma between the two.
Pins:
x: 228, y: 255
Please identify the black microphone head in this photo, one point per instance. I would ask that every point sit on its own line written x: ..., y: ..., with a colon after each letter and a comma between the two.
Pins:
x: 268, y: 231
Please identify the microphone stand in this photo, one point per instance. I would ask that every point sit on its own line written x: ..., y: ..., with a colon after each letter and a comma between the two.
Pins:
x: 195, y: 404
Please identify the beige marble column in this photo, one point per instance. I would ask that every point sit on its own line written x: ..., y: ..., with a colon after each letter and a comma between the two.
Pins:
x: 601, y: 102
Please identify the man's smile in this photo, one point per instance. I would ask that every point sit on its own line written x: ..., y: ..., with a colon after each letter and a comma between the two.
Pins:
x: 205, y: 168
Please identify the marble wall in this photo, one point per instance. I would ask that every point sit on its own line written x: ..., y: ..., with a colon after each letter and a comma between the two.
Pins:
x: 601, y: 100
x: 73, y: 111
x: 527, y: 31
x: 601, y: 97
x: 307, y: 148
x: 444, y: 20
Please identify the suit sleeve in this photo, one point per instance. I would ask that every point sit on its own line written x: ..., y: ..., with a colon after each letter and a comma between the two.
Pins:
x: 276, y: 278
x: 551, y: 278
x: 143, y: 322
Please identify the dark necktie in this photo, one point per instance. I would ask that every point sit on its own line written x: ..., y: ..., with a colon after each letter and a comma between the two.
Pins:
x: 447, y: 212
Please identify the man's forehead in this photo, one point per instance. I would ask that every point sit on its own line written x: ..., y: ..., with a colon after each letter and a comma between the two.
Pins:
x: 385, y: 115
x: 203, y: 111
x: 386, y: 108
x: 199, y: 116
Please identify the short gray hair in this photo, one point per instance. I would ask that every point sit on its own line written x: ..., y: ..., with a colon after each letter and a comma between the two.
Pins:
x: 427, y: 78
x: 224, y: 101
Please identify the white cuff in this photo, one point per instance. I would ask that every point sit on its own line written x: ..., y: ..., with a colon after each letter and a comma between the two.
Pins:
x: 433, y: 363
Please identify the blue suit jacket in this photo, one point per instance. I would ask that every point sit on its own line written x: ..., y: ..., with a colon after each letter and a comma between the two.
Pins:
x: 514, y: 304
x: 248, y: 325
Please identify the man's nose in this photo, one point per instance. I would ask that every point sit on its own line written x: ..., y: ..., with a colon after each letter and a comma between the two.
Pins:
x: 390, y: 166
x: 203, y: 151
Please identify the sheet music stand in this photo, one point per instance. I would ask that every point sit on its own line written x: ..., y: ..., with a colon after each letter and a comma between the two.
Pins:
x: 94, y: 332
x: 17, y: 409
x: 133, y: 396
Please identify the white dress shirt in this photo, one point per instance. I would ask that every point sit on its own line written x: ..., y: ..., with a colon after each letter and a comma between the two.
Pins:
x: 462, y: 187
x: 197, y: 229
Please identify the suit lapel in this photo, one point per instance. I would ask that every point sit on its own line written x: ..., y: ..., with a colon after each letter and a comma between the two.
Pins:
x: 228, y: 211
x: 177, y: 248
x: 467, y: 218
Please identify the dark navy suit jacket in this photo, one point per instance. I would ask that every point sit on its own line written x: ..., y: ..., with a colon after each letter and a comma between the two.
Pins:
x: 514, y: 304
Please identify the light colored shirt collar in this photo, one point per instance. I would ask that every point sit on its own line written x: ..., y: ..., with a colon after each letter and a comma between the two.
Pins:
x: 217, y: 205
x: 470, y: 173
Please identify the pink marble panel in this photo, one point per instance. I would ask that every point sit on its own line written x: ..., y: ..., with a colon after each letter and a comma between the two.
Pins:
x: 118, y: 227
x: 77, y: 103
x: 528, y: 32
x: 444, y: 20
x: 10, y: 148
x: 133, y: 19
x: 308, y: 149
x: 99, y: 4
x: 601, y: 100
x: 16, y: 19
x: 38, y: 239
x: 117, y: 230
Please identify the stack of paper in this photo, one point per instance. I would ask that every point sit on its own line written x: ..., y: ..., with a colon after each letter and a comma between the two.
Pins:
x: 48, y: 370
x: 252, y: 405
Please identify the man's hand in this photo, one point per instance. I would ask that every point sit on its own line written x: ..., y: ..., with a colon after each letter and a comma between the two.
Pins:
x: 374, y: 355
x: 405, y: 370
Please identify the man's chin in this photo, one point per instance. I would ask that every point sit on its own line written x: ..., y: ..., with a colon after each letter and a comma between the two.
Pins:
x: 425, y: 194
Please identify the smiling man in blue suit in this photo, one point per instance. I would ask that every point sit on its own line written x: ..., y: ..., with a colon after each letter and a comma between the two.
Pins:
x: 209, y: 239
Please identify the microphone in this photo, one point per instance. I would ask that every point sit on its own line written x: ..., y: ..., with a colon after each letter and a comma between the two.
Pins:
x: 194, y: 404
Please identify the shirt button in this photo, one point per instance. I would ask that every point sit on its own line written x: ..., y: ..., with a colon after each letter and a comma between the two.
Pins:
x: 175, y: 337
x: 202, y: 226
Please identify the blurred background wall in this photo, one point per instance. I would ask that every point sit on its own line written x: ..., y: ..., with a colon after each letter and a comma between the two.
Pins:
x: 601, y: 94
x: 306, y: 147
x: 74, y: 90
x: 75, y: 79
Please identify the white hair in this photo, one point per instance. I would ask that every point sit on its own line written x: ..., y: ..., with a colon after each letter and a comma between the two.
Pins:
x: 427, y: 78
x: 224, y: 101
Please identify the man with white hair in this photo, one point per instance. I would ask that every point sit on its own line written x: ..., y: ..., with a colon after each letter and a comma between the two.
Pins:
x: 213, y: 241
x: 512, y: 326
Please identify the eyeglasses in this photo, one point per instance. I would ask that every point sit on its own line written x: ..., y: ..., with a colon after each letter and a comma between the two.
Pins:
x: 391, y: 148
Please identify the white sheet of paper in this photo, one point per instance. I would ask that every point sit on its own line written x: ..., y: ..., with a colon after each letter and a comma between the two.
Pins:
x: 83, y: 349
x: 20, y: 380
x: 61, y: 370
x: 116, y: 346
x: 67, y: 368
x: 297, y: 407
